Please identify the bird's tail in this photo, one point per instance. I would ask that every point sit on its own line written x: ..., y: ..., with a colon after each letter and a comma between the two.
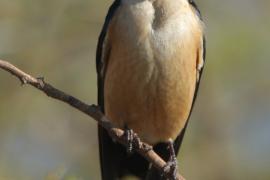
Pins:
x: 115, y: 162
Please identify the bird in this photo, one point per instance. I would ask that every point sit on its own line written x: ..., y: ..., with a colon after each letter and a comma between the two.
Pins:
x: 149, y: 61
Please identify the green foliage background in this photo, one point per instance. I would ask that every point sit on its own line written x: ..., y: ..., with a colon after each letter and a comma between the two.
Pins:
x: 40, y: 138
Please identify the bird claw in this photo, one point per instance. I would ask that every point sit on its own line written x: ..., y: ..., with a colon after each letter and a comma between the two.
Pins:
x: 129, y: 135
x: 171, y: 167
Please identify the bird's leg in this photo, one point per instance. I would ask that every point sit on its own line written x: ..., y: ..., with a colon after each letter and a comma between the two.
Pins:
x: 171, y: 165
x: 129, y: 135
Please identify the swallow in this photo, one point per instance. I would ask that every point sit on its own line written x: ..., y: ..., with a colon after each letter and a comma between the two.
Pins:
x: 149, y: 61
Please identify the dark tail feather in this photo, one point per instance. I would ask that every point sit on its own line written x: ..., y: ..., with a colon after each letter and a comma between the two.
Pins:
x: 115, y: 162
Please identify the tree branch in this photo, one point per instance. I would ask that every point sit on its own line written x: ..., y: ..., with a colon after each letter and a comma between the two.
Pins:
x: 93, y: 111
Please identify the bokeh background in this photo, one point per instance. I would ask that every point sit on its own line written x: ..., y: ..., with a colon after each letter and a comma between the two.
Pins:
x: 229, y: 132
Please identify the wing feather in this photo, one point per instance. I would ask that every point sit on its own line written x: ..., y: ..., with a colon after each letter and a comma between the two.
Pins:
x: 106, y: 146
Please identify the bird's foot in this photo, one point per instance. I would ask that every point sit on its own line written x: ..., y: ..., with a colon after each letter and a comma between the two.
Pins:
x: 129, y: 135
x: 171, y: 167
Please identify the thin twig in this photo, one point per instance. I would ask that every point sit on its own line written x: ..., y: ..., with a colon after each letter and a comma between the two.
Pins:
x: 91, y: 110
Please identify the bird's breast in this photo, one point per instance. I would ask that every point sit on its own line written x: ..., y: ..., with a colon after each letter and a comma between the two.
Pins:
x: 151, y: 70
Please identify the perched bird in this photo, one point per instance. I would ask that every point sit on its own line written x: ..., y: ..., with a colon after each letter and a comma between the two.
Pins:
x: 150, y: 56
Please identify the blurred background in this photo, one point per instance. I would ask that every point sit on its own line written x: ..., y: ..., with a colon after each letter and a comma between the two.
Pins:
x: 229, y: 132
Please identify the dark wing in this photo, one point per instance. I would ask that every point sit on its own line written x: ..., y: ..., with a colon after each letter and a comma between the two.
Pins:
x: 114, y: 160
x: 100, y: 54
x: 105, y: 143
